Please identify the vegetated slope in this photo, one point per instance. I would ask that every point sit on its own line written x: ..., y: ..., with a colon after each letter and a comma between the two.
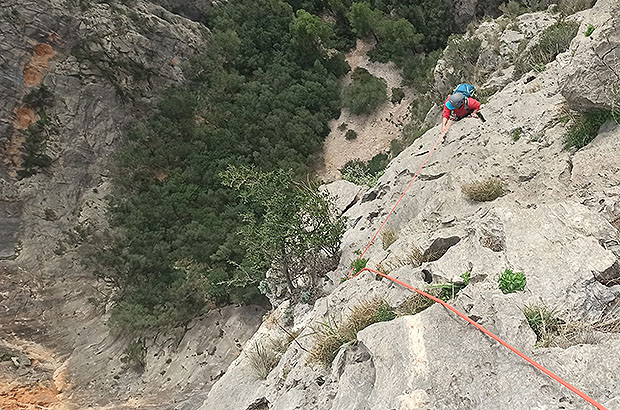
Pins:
x: 557, y: 223
x: 261, y: 95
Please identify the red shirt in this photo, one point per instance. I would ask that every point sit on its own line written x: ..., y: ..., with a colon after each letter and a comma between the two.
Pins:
x: 461, y: 111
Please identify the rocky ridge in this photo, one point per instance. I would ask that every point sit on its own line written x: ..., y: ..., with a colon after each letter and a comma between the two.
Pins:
x: 558, y: 223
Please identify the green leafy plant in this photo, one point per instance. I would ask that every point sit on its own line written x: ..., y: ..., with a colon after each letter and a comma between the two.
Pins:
x: 365, y: 93
x: 510, y: 282
x: 590, y: 30
x: 365, y: 173
x: 516, y: 134
x: 331, y: 336
x: 485, y: 190
x: 585, y: 128
x: 358, y: 264
x: 544, y: 321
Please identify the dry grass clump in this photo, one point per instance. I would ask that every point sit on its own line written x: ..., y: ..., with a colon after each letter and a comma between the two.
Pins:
x: 486, y: 190
x: 545, y: 323
x: 414, y: 304
x: 263, y: 359
x: 265, y: 355
x: 415, y: 256
x: 551, y: 330
x: 389, y: 237
x: 330, y: 336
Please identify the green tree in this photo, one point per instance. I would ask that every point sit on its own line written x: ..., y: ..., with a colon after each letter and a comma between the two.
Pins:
x: 252, y: 100
x: 292, y: 230
x: 311, y: 34
x: 398, y: 40
x: 365, y: 93
x: 364, y: 20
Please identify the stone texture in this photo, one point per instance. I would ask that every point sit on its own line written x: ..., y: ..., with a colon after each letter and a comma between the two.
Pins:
x: 345, y: 194
x: 106, y: 65
x: 593, y: 84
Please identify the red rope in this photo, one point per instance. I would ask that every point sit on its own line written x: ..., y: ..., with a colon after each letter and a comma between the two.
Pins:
x: 496, y: 338
x: 404, y: 192
x: 463, y: 316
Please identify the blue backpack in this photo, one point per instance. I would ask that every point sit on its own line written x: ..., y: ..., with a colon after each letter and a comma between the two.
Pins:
x: 466, y: 89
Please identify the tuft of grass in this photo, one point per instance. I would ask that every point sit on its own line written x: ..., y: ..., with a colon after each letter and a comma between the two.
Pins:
x: 414, y: 304
x: 589, y: 30
x: 265, y: 355
x: 510, y: 282
x: 415, y: 256
x: 389, y: 237
x: 516, y: 134
x: 383, y: 269
x: 263, y: 359
x: 585, y: 128
x: 545, y: 323
x: 330, y: 336
x: 554, y: 40
x: 486, y: 190
x: 449, y: 290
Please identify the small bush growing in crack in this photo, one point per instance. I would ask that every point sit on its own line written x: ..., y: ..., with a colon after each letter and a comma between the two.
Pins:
x: 449, y: 290
x: 486, y: 190
x: 585, y: 128
x: 358, y: 264
x: 330, y: 336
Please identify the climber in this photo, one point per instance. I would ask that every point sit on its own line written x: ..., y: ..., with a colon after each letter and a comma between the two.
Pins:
x: 459, y: 106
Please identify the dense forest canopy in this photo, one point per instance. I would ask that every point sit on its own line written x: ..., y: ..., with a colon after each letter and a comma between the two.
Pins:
x: 261, y: 97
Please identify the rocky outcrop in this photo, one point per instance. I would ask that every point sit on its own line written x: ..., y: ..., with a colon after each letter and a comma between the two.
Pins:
x: 555, y: 224
x: 77, y: 74
x: 594, y: 82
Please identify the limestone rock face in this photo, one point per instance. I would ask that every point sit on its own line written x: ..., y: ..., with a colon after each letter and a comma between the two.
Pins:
x: 88, y: 69
x: 594, y: 82
x: 557, y: 223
